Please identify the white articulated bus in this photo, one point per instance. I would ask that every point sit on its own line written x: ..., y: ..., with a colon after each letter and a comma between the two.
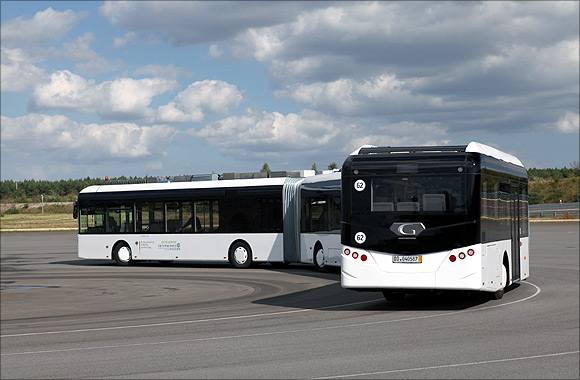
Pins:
x: 239, y: 221
x: 434, y: 218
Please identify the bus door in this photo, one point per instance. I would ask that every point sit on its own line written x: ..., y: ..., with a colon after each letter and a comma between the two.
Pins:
x: 515, y: 231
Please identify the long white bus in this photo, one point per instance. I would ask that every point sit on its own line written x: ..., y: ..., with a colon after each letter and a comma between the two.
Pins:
x: 434, y: 218
x: 240, y: 221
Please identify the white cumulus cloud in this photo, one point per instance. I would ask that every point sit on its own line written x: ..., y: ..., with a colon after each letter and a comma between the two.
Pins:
x: 47, y: 25
x: 18, y: 71
x: 121, y: 98
x: 52, y: 136
x: 199, y: 99
x: 298, y: 139
x: 569, y: 123
x: 269, y: 131
x: 119, y: 42
x: 85, y: 58
x: 383, y: 94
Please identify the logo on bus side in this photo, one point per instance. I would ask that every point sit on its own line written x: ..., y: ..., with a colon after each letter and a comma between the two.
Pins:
x: 407, y: 229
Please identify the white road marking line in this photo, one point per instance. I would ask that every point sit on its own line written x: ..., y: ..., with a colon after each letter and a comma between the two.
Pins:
x: 184, y: 322
x: 538, y: 290
x: 366, y: 374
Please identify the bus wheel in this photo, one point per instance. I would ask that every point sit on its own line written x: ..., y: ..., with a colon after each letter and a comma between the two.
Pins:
x: 240, y: 255
x: 319, y: 258
x: 499, y: 294
x: 122, y: 254
x: 393, y: 295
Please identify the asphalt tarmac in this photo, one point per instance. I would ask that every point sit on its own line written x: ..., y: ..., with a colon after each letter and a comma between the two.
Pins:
x: 64, y: 317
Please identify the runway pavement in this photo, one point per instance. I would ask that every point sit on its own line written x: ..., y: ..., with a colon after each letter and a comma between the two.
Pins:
x: 63, y: 317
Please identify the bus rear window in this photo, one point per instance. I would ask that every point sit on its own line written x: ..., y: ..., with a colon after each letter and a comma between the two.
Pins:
x: 413, y: 194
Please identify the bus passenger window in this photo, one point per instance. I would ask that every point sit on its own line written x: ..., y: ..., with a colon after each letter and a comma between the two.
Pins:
x: 172, y: 212
x: 112, y: 225
x: 92, y: 220
x: 150, y: 217
x: 207, y: 216
x: 187, y: 218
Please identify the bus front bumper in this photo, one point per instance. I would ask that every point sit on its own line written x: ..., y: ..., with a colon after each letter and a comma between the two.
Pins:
x: 435, y: 271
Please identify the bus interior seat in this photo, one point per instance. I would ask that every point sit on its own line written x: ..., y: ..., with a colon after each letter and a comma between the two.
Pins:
x: 408, y: 206
x: 156, y: 227
x: 383, y: 206
x: 434, y: 202
x: 173, y: 225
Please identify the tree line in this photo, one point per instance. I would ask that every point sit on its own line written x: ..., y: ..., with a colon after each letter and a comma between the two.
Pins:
x: 553, y: 173
x: 67, y: 190
x: 53, y: 191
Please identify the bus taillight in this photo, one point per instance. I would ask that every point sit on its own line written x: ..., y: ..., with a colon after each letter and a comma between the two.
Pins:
x: 452, y: 258
x: 470, y: 252
x: 462, y: 255
x: 363, y: 257
x: 355, y: 255
x: 347, y: 251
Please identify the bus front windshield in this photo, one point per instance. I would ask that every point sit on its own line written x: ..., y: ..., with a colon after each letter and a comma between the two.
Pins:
x: 430, y: 194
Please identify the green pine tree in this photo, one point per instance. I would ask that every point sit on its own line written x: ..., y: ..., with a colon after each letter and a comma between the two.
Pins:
x: 265, y: 168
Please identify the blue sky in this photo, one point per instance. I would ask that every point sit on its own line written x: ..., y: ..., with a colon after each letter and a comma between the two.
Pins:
x: 169, y: 88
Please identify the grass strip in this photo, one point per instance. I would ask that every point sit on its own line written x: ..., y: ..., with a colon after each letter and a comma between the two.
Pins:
x: 37, y: 222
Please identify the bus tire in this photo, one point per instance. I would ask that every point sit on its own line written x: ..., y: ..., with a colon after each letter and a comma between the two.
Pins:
x: 393, y: 295
x: 122, y: 254
x: 240, y: 255
x: 318, y: 258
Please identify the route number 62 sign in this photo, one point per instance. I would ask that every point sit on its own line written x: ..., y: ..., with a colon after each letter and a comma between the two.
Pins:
x: 360, y: 185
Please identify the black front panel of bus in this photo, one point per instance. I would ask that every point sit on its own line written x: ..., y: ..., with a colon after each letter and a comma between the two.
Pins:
x: 411, y: 204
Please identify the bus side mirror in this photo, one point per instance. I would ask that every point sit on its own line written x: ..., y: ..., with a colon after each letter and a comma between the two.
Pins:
x: 75, y: 210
